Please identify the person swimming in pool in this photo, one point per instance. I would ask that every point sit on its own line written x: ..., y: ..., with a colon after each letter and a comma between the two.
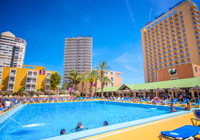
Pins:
x: 105, y: 123
x: 79, y: 127
x: 62, y: 132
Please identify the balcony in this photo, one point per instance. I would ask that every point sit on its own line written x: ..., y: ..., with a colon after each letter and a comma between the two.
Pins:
x: 171, y: 27
x: 161, y: 36
x: 166, y: 34
x: 182, y: 57
x: 12, y: 73
x: 179, y: 38
x: 159, y: 63
x: 160, y: 67
x: 175, y: 54
x: 164, y: 57
x: 169, y: 51
x: 164, y: 62
x: 165, y: 66
x: 155, y: 64
x: 159, y: 59
x: 175, y: 16
x: 162, y: 45
x: 170, y: 19
x: 173, y: 40
x: 160, y: 24
x: 174, y: 45
x: 169, y: 60
x: 181, y: 47
x: 166, y: 30
x: 158, y: 46
x: 165, y: 22
x: 159, y: 55
x: 175, y: 59
x: 176, y: 64
x: 177, y: 29
x: 163, y: 53
x: 181, y: 52
x: 11, y: 81
x: 170, y: 65
x: 154, y: 60
x: 176, y: 20
x: 177, y: 25
x: 168, y: 47
x: 172, y: 36
x: 174, y: 49
x: 182, y: 62
x: 155, y: 68
x: 178, y: 33
x: 169, y: 56
x: 171, y: 23
x: 162, y: 40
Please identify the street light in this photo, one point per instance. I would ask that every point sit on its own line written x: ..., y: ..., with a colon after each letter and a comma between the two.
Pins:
x: 58, y: 86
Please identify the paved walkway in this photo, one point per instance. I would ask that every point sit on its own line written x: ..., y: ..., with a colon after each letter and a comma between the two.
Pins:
x: 148, y: 131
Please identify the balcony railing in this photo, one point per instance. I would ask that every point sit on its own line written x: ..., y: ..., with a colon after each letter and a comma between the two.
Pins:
x: 176, y: 64
x: 175, y: 59
x: 170, y: 65
x: 182, y: 62
x: 169, y: 60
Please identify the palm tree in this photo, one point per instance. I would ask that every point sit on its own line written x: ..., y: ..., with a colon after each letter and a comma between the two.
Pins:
x: 91, y: 78
x: 83, y: 80
x: 101, y: 68
x: 106, y: 80
x: 72, y: 75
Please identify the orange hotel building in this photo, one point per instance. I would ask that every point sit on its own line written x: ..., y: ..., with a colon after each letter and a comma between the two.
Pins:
x: 172, y: 41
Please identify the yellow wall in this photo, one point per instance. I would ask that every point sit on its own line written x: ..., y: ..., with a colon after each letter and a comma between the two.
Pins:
x: 20, y: 78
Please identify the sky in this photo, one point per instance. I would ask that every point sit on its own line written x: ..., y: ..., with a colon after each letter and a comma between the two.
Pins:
x: 114, y: 25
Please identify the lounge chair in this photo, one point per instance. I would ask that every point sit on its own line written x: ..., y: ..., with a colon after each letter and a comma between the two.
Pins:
x: 175, y: 100
x: 197, y: 115
x: 184, y: 132
x: 198, y: 103
x: 184, y: 101
x: 50, y: 99
x: 146, y: 100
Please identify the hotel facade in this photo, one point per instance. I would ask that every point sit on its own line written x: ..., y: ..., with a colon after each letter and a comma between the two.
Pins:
x: 77, y: 55
x: 12, y: 51
x: 29, y: 77
x: 172, y: 40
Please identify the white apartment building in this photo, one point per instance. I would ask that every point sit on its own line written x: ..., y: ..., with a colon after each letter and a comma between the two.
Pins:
x: 12, y: 51
x: 77, y: 55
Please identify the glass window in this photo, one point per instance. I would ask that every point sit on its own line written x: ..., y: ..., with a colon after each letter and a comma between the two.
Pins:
x: 188, y: 59
x: 180, y: 13
x: 196, y: 70
x: 181, y: 17
x: 184, y: 35
x: 186, y: 49
x: 182, y: 21
x: 183, y: 30
x: 111, y: 73
x: 187, y: 54
x: 111, y: 84
x: 111, y: 78
x: 186, y: 44
x: 182, y: 25
x: 185, y: 39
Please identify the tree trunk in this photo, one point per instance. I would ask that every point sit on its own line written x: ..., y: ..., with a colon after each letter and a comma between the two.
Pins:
x: 74, y: 83
x: 101, y: 87
x: 82, y: 86
x: 96, y: 87
x: 91, y: 89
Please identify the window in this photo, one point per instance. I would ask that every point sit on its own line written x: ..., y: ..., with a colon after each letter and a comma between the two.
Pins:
x: 187, y: 55
x: 186, y: 44
x: 185, y: 39
x: 111, y: 78
x: 184, y: 35
x: 182, y: 25
x: 188, y: 59
x: 181, y: 17
x: 111, y: 84
x: 186, y: 49
x: 111, y: 73
x: 182, y: 21
x: 183, y: 30
x: 196, y: 70
x: 180, y: 13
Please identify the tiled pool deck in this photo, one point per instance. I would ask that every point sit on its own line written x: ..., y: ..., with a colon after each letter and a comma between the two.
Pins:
x: 140, y: 129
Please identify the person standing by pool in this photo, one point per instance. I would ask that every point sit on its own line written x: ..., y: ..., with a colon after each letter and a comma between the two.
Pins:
x: 79, y: 127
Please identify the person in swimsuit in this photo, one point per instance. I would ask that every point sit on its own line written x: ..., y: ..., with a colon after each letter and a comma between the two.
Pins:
x: 79, y: 127
x: 62, y: 132
x: 187, y: 106
x: 105, y: 123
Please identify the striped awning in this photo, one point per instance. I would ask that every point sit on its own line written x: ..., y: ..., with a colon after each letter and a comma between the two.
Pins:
x: 172, y: 70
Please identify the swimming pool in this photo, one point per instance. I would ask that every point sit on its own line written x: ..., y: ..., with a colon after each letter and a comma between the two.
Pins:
x: 40, y: 121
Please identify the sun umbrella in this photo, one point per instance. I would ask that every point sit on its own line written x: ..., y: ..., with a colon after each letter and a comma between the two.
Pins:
x: 135, y: 91
x: 86, y: 92
x: 195, y: 89
x: 7, y: 92
x: 158, y: 90
x: 76, y: 92
x: 2, y: 92
x: 50, y: 92
x: 145, y: 91
x: 174, y: 89
x: 23, y: 93
x: 39, y: 93
x: 119, y: 92
x: 126, y: 91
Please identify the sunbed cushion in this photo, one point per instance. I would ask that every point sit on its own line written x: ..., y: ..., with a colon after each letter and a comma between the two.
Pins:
x: 182, y: 132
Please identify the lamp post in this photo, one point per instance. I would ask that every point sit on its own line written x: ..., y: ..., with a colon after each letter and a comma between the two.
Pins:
x: 58, y: 86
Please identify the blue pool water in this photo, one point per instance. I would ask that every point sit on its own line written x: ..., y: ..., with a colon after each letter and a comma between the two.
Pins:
x: 46, y: 120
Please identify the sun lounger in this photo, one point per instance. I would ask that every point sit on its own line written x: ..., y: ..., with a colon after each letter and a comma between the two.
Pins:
x: 175, y: 100
x: 184, y: 132
x: 146, y: 100
x: 197, y: 115
x: 50, y: 99
x: 198, y: 103
x: 184, y: 101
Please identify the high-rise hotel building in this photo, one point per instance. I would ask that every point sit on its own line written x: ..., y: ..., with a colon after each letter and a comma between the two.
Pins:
x: 77, y: 55
x: 12, y: 51
x: 172, y: 40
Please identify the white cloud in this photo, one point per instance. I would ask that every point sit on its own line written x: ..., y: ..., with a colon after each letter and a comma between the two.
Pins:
x: 130, y: 11
x: 122, y: 56
x: 130, y: 68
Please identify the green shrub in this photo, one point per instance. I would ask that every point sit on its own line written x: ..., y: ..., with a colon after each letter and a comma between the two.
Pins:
x: 21, y: 89
x: 15, y: 93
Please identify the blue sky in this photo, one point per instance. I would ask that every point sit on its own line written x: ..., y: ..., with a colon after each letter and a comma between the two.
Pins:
x: 114, y: 25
